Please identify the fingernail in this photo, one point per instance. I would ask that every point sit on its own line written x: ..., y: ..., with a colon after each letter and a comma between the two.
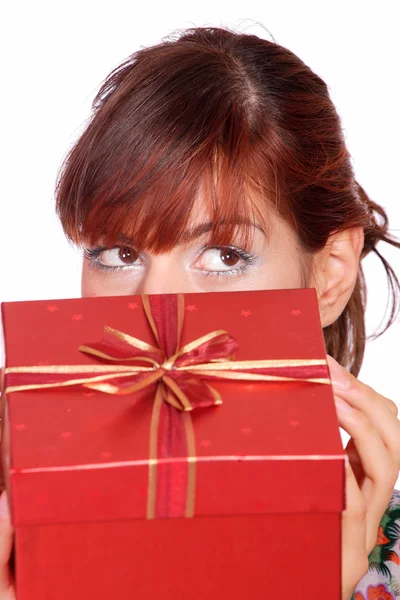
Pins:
x: 339, y: 375
x: 343, y: 407
x: 4, y: 510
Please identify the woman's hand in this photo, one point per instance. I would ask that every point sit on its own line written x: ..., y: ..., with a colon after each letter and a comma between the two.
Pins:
x: 6, y: 540
x: 374, y: 456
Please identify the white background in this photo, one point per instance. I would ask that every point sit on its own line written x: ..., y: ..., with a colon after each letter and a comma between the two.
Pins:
x: 54, y: 55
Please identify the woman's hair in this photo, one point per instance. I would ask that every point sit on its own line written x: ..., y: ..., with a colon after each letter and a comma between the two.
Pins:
x: 233, y: 115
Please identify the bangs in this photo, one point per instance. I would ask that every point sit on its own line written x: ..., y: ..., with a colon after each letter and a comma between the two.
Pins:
x: 172, y: 145
x: 156, y: 208
x: 171, y: 209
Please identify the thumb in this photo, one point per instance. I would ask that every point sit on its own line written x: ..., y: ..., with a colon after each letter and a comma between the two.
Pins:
x: 6, y: 542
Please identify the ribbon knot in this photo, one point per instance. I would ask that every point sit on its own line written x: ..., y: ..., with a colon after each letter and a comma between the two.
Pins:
x: 172, y: 365
x: 168, y: 365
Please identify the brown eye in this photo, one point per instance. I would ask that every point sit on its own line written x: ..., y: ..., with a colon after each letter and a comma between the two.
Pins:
x: 221, y: 260
x: 118, y: 258
x: 127, y: 255
x: 229, y: 257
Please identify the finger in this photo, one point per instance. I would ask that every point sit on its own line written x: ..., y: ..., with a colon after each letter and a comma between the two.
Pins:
x: 374, y: 455
x: 375, y: 460
x: 6, y: 541
x: 381, y: 411
x: 346, y: 383
x: 354, y: 527
x: 356, y: 464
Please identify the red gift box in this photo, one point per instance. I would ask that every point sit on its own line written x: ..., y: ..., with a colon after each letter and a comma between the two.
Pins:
x: 112, y: 497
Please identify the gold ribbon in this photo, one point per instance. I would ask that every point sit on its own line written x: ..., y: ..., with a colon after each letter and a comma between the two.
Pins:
x: 223, y: 370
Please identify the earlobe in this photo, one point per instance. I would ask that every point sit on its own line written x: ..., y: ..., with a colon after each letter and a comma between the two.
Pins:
x: 335, y: 272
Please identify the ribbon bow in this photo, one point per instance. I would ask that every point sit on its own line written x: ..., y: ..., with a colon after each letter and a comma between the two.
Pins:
x: 179, y: 370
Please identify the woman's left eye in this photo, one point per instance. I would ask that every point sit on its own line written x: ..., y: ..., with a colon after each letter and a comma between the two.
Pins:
x: 223, y: 260
x: 113, y: 258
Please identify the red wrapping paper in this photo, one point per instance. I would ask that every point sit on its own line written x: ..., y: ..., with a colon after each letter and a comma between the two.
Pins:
x: 78, y: 459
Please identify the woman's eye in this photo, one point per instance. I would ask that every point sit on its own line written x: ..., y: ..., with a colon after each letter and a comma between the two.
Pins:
x: 127, y: 255
x: 123, y: 256
x: 219, y: 259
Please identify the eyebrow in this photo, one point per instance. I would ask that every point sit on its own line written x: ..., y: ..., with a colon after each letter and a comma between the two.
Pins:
x: 198, y: 231
x: 203, y: 228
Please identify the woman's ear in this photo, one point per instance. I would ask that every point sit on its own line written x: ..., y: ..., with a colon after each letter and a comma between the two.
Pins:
x: 335, y: 271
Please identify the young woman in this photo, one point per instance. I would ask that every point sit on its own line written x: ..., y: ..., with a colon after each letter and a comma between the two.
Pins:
x: 216, y: 161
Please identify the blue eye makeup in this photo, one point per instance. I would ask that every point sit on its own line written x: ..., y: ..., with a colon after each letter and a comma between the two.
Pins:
x: 210, y: 261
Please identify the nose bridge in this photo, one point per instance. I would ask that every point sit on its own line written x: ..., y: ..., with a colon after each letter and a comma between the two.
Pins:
x: 164, y: 276
x: 156, y: 282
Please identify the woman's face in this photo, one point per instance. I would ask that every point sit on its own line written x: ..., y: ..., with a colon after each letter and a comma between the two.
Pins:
x: 273, y: 260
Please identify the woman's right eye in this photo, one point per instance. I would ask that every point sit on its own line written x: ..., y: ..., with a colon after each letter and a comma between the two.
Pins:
x: 119, y: 257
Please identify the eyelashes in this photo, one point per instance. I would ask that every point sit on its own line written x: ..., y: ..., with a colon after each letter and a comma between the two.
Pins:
x: 246, y: 261
x: 92, y: 253
x: 93, y: 256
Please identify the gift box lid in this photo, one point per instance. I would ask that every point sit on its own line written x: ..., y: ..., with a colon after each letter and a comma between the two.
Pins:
x: 74, y: 454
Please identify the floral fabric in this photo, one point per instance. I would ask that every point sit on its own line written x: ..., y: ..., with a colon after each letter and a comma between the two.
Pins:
x: 382, y: 581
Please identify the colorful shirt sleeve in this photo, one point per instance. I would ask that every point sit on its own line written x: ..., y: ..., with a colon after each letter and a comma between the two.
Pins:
x: 382, y: 580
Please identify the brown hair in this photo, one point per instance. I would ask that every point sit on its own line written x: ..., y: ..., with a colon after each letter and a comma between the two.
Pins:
x: 234, y: 113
